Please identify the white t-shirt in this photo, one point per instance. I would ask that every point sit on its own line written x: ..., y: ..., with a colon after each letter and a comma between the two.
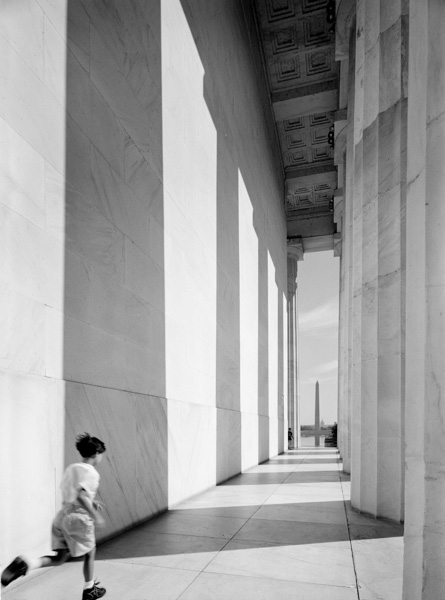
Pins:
x: 79, y: 476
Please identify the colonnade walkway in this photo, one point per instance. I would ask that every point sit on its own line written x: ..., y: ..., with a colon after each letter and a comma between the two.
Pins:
x: 284, y: 529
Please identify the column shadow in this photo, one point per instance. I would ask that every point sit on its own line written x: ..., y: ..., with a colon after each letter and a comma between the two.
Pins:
x: 114, y: 297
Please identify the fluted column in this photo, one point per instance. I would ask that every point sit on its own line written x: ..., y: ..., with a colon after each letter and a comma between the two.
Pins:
x: 295, y: 253
x: 424, y: 573
x: 391, y: 259
x: 365, y: 496
x: 356, y: 262
x: 341, y: 250
x: 378, y: 242
x: 346, y: 279
x: 343, y: 425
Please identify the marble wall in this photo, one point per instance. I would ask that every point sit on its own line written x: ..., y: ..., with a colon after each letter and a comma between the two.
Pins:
x: 396, y: 423
x: 32, y: 161
x: 425, y: 308
x: 346, y: 273
x: 144, y: 278
x: 372, y: 411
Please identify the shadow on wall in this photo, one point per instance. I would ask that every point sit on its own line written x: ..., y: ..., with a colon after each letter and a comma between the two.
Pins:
x: 228, y: 312
x: 114, y: 328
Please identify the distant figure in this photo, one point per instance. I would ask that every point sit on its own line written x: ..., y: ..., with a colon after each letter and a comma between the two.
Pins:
x: 290, y: 438
x: 73, y: 526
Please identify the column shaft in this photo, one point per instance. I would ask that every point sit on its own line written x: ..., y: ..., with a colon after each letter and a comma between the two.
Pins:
x: 369, y: 263
x: 343, y: 429
x: 379, y: 158
x: 424, y: 575
x: 346, y: 281
x: 357, y: 189
x: 391, y: 261
x: 292, y: 315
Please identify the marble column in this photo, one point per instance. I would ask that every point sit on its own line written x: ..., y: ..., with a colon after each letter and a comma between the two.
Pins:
x: 391, y: 259
x: 346, y: 262
x: 377, y: 193
x: 356, y: 261
x: 343, y: 428
x: 368, y: 39
x: 340, y: 250
x: 295, y: 253
x: 343, y: 420
x: 424, y: 574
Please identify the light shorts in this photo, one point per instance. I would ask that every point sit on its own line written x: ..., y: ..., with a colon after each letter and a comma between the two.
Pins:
x: 73, y: 529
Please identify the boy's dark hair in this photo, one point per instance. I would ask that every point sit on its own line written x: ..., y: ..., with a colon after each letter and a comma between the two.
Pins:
x: 89, y: 446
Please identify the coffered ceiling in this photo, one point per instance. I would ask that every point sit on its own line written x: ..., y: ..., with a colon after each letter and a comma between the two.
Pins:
x: 298, y: 46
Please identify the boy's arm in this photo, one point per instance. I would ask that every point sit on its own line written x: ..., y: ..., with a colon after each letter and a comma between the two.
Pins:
x: 87, y: 504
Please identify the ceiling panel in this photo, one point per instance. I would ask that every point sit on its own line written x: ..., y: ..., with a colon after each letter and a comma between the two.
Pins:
x: 299, y: 55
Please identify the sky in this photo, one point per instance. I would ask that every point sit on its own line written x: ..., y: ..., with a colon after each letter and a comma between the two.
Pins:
x: 318, y: 281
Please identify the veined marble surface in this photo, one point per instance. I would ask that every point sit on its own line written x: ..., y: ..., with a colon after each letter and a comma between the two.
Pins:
x: 32, y: 427
x: 21, y: 176
x: 22, y: 323
x: 377, y: 239
x: 32, y: 260
x: 192, y: 449
x: 128, y: 283
x: 30, y: 108
x: 134, y: 428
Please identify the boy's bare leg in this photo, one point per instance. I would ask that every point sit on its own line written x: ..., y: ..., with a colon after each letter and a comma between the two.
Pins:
x: 20, y: 565
x: 88, y: 565
x: 91, y: 589
x: 51, y: 561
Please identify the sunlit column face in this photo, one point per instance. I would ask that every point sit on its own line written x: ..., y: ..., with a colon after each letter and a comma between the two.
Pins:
x: 189, y: 170
x: 33, y: 47
x: 285, y: 399
x: 272, y: 304
x: 248, y: 248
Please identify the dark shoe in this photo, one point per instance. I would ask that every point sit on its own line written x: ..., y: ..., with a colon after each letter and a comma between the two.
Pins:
x: 16, y: 569
x: 94, y: 592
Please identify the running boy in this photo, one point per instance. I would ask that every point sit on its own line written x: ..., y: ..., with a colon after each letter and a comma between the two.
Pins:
x: 73, y: 526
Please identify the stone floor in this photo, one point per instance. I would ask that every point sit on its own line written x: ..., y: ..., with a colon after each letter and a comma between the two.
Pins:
x: 283, y: 529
